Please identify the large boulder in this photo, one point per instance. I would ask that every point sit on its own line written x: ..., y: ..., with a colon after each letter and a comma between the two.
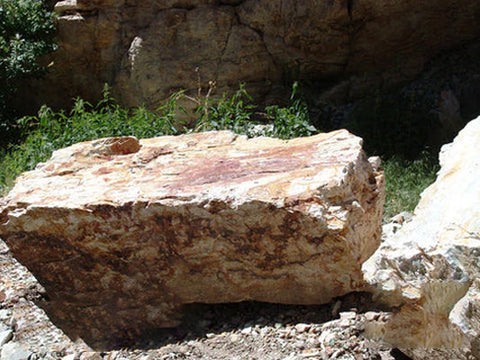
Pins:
x: 122, y: 232
x: 147, y: 49
x: 430, y: 269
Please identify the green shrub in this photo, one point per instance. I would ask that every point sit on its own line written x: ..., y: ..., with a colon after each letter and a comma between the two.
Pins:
x: 233, y: 113
x: 291, y: 121
x: 26, y: 33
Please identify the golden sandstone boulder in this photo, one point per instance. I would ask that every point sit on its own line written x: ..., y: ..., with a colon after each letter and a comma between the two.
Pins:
x: 122, y: 233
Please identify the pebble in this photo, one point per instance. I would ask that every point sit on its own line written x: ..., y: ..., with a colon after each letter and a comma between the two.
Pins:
x: 247, y: 330
x: 301, y: 328
x: 146, y: 357
x: 371, y: 315
x: 292, y: 356
x: 15, y: 351
x: 348, y: 315
x: 299, y: 345
x: 328, y: 338
x: 310, y: 353
x: 5, y: 336
x: 312, y: 342
x: 337, y: 353
x: 5, y: 314
x: 290, y: 332
x: 235, y: 337
x: 316, y: 329
x: 347, y: 318
x: 265, y: 330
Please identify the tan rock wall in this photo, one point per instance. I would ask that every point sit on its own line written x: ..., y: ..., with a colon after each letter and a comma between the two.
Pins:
x: 148, y: 49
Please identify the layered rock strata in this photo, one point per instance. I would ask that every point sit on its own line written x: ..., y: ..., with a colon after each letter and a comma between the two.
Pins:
x: 122, y: 233
x: 430, y: 268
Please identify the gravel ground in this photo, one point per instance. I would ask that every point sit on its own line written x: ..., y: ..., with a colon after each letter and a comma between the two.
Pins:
x: 251, y: 331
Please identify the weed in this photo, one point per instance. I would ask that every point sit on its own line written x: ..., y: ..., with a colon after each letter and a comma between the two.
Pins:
x: 202, y: 101
x: 293, y: 120
x: 232, y: 113
x: 405, y: 181
x: 236, y: 113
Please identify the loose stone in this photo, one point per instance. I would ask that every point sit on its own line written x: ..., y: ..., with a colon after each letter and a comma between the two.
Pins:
x: 5, y: 336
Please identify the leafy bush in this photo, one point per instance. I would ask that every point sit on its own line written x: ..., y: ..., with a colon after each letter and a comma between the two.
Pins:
x: 291, y: 121
x: 26, y: 33
x: 233, y: 113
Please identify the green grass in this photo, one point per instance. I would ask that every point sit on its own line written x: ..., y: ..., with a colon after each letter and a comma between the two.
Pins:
x: 405, y: 181
x: 48, y: 131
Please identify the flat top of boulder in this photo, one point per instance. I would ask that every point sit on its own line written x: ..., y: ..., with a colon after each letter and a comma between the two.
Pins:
x: 212, y: 165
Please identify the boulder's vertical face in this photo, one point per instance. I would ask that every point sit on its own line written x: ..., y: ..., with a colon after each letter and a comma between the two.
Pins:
x: 148, y: 49
x: 430, y: 269
x: 121, y: 233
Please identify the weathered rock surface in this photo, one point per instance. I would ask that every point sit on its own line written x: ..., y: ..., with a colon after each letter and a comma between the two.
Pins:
x: 147, y: 49
x: 214, y: 331
x: 430, y: 268
x: 14, y: 351
x: 121, y: 233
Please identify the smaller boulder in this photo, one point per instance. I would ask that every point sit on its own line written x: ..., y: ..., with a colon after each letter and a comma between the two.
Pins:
x: 430, y: 269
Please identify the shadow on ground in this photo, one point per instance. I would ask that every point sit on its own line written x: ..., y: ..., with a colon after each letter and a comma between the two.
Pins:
x: 202, y: 321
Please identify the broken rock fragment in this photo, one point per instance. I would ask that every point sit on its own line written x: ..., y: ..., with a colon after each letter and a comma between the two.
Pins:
x: 122, y: 233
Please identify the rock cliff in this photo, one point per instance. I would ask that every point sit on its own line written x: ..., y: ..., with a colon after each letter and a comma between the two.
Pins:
x: 147, y: 49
